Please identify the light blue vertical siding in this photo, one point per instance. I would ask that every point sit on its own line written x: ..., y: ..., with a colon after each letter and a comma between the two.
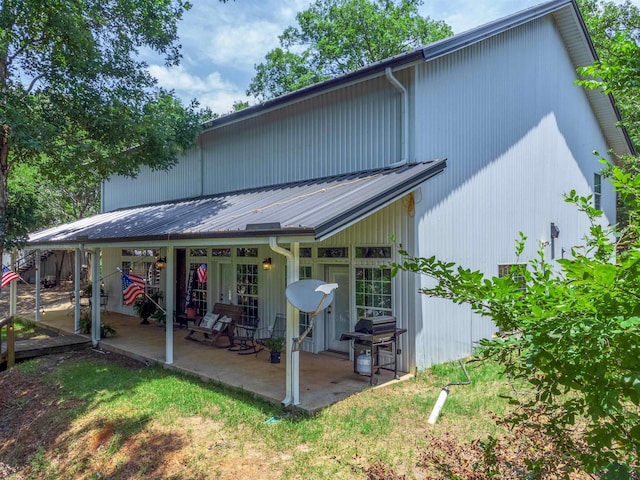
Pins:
x: 351, y: 129
x: 517, y: 134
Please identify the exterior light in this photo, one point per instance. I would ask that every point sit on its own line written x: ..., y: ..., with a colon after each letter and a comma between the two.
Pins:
x: 266, y: 263
x: 161, y: 263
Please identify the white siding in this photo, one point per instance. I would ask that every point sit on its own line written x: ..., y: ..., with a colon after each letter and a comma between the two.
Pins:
x: 517, y: 134
x: 183, y: 181
x: 352, y: 129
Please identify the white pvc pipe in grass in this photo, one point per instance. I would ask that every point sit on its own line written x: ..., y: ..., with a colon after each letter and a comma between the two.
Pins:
x: 435, y: 413
x: 437, y: 408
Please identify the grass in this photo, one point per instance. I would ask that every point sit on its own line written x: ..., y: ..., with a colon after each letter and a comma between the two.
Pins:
x: 23, y: 329
x: 114, y: 421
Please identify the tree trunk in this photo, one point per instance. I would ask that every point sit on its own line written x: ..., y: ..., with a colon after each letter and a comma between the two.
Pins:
x: 5, y: 132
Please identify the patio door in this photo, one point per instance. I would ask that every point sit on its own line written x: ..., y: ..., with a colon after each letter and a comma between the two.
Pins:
x: 225, y: 288
x: 337, y: 314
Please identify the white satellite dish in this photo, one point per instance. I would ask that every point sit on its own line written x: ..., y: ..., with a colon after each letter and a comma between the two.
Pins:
x: 309, y: 296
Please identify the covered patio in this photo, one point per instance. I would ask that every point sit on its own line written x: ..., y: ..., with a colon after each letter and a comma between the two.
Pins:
x: 324, y: 378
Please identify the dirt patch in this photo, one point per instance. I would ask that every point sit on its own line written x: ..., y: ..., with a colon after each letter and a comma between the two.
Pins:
x: 55, y: 298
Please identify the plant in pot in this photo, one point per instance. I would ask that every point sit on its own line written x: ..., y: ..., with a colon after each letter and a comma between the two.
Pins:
x: 159, y: 316
x: 275, y: 346
x: 191, y: 311
x: 145, y: 306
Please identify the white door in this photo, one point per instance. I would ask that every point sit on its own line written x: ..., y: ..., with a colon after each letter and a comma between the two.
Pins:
x: 225, y: 287
x: 337, y: 314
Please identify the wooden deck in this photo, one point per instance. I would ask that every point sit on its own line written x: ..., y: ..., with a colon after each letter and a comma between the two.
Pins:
x: 38, y: 347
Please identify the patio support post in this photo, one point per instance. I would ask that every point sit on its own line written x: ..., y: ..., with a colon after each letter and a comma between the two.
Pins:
x: 95, y: 298
x: 38, y: 264
x: 169, y: 303
x: 13, y: 286
x: 292, y: 366
x: 76, y: 289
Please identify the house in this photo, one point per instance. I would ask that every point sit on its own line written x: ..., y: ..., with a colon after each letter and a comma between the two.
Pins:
x: 452, y: 149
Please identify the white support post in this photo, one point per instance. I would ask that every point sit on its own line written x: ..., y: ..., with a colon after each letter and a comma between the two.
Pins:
x: 76, y: 289
x: 38, y: 264
x: 95, y: 298
x: 293, y: 330
x: 169, y: 303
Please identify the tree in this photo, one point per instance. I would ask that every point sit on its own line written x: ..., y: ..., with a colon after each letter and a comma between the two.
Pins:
x: 615, y: 31
x: 74, y: 97
x: 334, y: 37
x: 570, y: 332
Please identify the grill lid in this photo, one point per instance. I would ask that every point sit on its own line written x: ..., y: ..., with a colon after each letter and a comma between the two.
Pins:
x: 376, y: 325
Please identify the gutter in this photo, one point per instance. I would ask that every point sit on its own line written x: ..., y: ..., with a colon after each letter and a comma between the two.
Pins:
x: 405, y: 116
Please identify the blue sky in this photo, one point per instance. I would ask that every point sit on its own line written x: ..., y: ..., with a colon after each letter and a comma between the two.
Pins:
x: 221, y: 42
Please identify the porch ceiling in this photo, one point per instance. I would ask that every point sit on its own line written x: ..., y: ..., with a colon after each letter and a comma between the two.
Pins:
x: 314, y: 208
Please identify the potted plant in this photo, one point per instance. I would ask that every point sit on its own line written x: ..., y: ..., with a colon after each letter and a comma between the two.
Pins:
x: 159, y: 316
x: 191, y: 311
x: 145, y: 306
x: 275, y: 346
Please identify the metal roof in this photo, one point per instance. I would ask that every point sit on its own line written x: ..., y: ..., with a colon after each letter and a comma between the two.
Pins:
x: 314, y: 208
x: 568, y: 18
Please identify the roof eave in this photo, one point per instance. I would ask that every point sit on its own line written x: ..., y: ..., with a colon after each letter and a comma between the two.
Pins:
x: 348, y: 218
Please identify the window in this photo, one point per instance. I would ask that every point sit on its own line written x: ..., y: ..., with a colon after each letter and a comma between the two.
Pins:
x: 515, y: 271
x: 373, y: 252
x: 305, y: 273
x: 373, y: 292
x: 247, y: 290
x: 597, y: 191
x: 333, y: 252
x: 247, y: 252
x: 305, y: 252
x: 139, y: 253
x: 197, y: 287
x: 220, y: 252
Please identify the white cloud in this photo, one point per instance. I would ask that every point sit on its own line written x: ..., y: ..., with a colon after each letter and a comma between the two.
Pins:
x: 210, y: 90
x: 235, y: 35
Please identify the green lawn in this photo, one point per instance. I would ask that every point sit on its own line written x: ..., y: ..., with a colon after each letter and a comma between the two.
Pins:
x: 118, y: 420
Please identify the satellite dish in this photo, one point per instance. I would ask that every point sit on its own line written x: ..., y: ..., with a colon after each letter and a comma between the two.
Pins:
x: 310, y: 296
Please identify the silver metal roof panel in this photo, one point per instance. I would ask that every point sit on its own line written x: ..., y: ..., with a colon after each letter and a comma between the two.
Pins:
x: 318, y: 208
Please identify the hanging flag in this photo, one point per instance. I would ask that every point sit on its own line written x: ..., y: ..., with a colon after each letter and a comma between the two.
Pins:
x: 202, y: 273
x: 8, y: 276
x: 130, y: 289
x: 138, y: 280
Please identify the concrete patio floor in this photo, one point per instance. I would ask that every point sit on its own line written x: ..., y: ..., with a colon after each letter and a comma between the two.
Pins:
x: 324, y: 378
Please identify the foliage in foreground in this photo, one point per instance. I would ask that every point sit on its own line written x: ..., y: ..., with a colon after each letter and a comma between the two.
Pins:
x: 571, y: 331
x: 77, y: 103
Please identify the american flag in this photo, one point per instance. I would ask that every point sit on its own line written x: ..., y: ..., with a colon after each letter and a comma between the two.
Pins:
x: 202, y: 273
x: 8, y: 276
x: 137, y: 279
x: 131, y: 289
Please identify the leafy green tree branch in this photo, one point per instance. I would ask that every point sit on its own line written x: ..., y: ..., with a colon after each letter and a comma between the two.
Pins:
x: 569, y: 330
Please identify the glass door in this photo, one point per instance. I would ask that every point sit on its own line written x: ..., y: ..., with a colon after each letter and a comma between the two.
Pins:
x: 337, y: 318
x: 226, y: 285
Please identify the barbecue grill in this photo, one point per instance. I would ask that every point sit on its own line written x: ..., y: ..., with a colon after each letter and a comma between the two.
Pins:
x: 373, y: 335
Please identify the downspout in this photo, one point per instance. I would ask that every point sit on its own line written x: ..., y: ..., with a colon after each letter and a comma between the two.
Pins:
x: 405, y: 116
x: 292, y: 364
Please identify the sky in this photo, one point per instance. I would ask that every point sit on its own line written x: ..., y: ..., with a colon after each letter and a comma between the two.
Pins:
x: 222, y: 42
